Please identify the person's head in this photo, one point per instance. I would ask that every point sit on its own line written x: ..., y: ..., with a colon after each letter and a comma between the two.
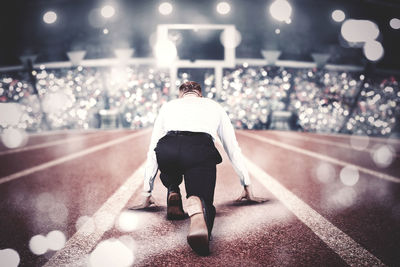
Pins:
x: 190, y: 87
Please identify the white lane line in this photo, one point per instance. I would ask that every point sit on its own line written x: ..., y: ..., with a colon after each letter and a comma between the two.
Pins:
x: 333, y: 143
x: 320, y: 141
x: 348, y: 249
x: 375, y: 139
x: 72, y: 156
x: 47, y: 144
x: 322, y: 157
x: 84, y: 240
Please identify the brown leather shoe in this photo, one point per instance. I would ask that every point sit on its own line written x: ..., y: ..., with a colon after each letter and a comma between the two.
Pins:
x: 198, y: 232
x: 174, y: 207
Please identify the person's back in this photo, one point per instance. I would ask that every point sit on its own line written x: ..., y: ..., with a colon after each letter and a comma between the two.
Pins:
x: 191, y: 113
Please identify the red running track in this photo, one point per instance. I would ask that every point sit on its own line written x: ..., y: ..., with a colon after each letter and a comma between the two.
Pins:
x: 316, y: 214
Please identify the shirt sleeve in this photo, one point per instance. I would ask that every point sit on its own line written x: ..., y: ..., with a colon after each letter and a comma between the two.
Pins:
x: 151, y: 166
x: 227, y: 135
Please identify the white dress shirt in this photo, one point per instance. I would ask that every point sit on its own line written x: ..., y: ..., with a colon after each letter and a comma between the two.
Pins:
x: 195, y: 114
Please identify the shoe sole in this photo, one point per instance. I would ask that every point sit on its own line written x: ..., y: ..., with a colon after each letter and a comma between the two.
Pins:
x: 199, y: 243
x: 174, y: 211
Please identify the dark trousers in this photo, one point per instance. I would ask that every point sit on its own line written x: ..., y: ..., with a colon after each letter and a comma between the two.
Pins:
x: 194, y: 157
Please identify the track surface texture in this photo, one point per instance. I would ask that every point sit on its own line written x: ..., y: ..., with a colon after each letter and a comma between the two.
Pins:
x: 333, y: 200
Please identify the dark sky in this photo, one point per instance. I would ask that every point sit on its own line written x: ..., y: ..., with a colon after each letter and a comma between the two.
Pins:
x: 22, y: 30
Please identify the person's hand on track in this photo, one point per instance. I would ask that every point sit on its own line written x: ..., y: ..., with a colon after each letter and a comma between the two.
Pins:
x: 247, y: 195
x: 147, y: 202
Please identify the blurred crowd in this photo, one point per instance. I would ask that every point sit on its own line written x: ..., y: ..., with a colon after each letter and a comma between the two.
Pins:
x: 314, y: 100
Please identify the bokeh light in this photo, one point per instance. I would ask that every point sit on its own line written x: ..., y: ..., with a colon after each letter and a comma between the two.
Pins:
x: 237, y: 39
x: 50, y: 17
x: 127, y: 221
x: 165, y: 8
x: 10, y: 114
x: 223, y: 8
x: 343, y: 198
x: 14, y: 138
x: 85, y: 225
x: 325, y: 173
x: 373, y: 50
x: 359, y: 143
x: 383, y: 155
x: 107, y: 11
x: 395, y: 23
x: 349, y: 175
x: 359, y: 31
x: 165, y: 52
x: 38, y: 244
x: 9, y: 257
x: 55, y: 240
x: 111, y: 252
x: 281, y: 10
x: 338, y: 15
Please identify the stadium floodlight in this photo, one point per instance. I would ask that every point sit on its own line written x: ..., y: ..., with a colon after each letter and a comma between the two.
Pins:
x: 395, y: 23
x: 320, y: 59
x: 50, y: 17
x: 223, y: 8
x: 165, y: 52
x: 229, y: 42
x: 271, y: 56
x: 359, y: 31
x: 165, y: 8
x: 373, y: 50
x: 281, y: 10
x: 107, y: 11
x: 338, y: 15
x: 75, y: 57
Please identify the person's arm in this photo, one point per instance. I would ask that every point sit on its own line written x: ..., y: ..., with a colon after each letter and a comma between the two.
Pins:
x: 227, y: 135
x: 151, y: 166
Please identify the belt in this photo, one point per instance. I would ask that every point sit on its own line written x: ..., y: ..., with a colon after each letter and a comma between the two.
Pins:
x: 187, y: 133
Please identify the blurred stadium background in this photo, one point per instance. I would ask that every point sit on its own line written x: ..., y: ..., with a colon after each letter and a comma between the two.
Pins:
x: 315, y: 66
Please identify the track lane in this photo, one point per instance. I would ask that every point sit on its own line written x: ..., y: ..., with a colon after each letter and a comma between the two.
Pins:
x: 244, y: 235
x: 15, y: 163
x: 368, y: 211
x: 54, y: 199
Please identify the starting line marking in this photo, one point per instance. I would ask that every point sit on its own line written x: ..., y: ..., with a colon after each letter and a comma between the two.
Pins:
x: 343, y: 245
x: 72, y: 156
x: 323, y: 157
x: 83, y: 241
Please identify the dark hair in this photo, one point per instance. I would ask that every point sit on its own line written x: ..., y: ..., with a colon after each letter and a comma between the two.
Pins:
x: 189, y: 86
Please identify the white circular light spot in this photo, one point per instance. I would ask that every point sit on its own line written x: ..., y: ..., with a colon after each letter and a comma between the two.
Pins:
x: 349, y: 175
x: 345, y: 197
x: 373, y: 50
x: 338, y: 15
x: 111, y: 252
x: 9, y: 257
x: 10, y: 114
x: 280, y: 10
x: 359, y: 143
x: 325, y: 172
x: 105, y: 31
x: 127, y: 221
x: 165, y: 52
x: 359, y: 31
x: 85, y: 225
x: 107, y: 11
x: 383, y: 156
x: 38, y: 244
x: 56, y: 240
x: 223, y: 8
x: 395, y: 23
x: 230, y: 41
x: 13, y: 138
x: 165, y: 8
x: 277, y: 31
x: 50, y: 17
